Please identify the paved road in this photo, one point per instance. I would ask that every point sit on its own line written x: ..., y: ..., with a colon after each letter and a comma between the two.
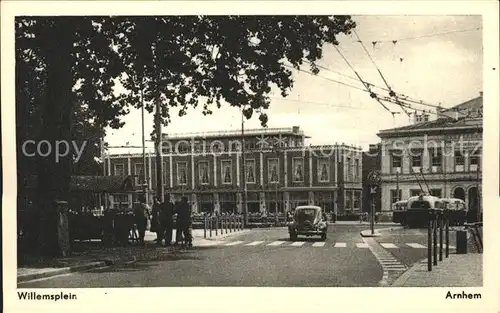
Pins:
x: 410, y: 245
x: 259, y: 258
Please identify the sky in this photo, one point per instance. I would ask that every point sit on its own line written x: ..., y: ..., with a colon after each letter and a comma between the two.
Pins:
x: 442, y: 70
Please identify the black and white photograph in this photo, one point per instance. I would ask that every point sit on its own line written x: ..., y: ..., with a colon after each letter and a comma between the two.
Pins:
x: 331, y: 150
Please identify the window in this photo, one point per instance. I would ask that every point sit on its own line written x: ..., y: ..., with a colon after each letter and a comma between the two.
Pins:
x: 182, y: 173
x: 273, y: 170
x: 323, y: 170
x: 250, y: 146
x: 416, y: 159
x: 250, y: 171
x: 436, y: 193
x: 459, y: 161
x: 298, y: 169
x: 204, y: 173
x: 415, y: 192
x: 475, y: 160
x: 396, y: 195
x: 356, y: 169
x: 436, y: 160
x: 139, y: 174
x: 356, y: 200
x: 349, y: 169
x: 226, y: 171
x: 120, y: 201
x: 119, y: 170
x: 396, y: 162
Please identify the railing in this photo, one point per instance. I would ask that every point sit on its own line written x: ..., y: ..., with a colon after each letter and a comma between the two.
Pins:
x: 222, y: 224
x: 438, y: 222
x: 476, y: 231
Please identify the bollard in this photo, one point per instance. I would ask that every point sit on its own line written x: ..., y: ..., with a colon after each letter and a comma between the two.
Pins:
x: 429, y: 240
x: 435, y: 240
x: 461, y: 242
x: 447, y: 233
x: 441, y: 221
x: 205, y: 227
x: 211, y: 225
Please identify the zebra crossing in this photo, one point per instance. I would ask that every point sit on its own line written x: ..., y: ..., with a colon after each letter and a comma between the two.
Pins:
x: 306, y: 244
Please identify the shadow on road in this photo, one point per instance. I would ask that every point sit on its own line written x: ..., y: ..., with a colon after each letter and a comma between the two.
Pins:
x: 306, y: 239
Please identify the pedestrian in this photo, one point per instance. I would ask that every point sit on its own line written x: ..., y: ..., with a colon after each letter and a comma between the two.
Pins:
x: 155, y: 220
x: 167, y: 223
x: 141, y: 216
x: 183, y: 222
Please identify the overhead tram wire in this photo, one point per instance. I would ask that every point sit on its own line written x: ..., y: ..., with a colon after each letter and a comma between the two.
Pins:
x: 429, y: 35
x: 391, y: 92
x: 372, y: 94
x: 318, y: 103
x: 390, y: 100
x: 400, y: 95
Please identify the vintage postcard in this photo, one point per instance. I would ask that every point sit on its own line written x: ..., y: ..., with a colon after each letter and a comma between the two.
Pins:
x: 338, y: 156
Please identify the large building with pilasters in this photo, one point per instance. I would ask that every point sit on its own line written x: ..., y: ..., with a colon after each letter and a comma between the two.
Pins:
x: 441, y: 157
x: 281, y: 171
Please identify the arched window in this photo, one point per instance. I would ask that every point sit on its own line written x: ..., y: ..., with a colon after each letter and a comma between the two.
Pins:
x: 459, y: 193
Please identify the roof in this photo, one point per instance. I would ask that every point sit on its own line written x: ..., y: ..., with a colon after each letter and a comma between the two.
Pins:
x: 441, y: 123
x: 93, y: 183
x: 472, y: 104
x: 447, y: 119
x: 294, y: 131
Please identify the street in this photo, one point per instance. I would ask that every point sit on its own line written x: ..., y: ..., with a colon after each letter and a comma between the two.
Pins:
x: 264, y: 257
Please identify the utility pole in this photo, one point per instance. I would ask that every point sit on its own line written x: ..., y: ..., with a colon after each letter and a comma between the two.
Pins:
x: 478, y: 195
x: 243, y: 160
x: 102, y: 157
x: 145, y: 181
x: 160, y: 192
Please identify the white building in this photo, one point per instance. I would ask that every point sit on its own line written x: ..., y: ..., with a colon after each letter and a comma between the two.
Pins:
x: 441, y: 156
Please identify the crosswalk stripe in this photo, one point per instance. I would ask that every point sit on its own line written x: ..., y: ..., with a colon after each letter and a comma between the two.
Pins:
x: 254, y: 243
x: 340, y: 245
x: 298, y: 243
x: 318, y: 244
x: 234, y: 243
x: 362, y: 245
x: 389, y: 245
x: 276, y: 243
x: 416, y: 245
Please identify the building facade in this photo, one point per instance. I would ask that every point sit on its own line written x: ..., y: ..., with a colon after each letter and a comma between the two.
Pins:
x: 441, y: 157
x: 281, y: 172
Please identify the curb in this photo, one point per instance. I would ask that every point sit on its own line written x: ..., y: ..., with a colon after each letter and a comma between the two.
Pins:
x: 63, y: 270
x: 78, y: 268
x: 225, y: 235
x: 406, y: 275
x: 368, y: 232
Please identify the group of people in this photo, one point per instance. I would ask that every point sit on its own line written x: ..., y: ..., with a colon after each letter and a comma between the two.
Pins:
x: 162, y: 220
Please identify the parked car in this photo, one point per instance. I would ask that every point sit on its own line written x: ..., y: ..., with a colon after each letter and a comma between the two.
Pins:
x: 308, y: 221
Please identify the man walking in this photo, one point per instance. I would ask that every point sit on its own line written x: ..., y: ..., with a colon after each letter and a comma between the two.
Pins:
x: 184, y: 221
x: 167, y: 223
x: 141, y: 215
x: 155, y: 220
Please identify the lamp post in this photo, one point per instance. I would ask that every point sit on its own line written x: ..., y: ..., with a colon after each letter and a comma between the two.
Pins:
x: 243, y: 161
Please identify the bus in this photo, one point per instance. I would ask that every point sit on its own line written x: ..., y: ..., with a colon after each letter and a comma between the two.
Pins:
x: 418, y: 210
x: 457, y: 210
x: 399, y: 212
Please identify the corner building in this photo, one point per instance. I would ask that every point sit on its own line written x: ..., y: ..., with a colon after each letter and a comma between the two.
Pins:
x: 280, y: 171
x: 442, y: 157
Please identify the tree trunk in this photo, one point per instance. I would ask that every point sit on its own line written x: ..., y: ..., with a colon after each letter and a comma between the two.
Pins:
x: 54, y: 171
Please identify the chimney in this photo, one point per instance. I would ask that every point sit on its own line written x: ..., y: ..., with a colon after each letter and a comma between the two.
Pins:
x: 481, y: 94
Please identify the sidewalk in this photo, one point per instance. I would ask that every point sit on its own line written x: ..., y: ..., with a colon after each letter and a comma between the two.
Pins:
x: 458, y: 270
x: 364, y: 223
x: 89, y: 255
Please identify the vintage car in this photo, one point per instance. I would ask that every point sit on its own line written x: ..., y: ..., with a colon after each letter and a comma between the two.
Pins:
x: 308, y: 221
